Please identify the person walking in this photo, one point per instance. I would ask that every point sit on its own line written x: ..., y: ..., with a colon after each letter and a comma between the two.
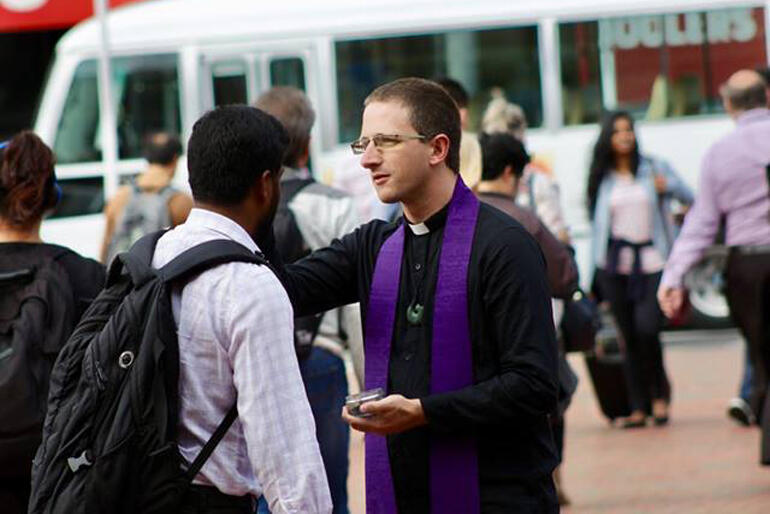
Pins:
x: 457, y: 324
x: 44, y: 289
x: 734, y: 190
x: 235, y: 331
x: 629, y: 198
x: 150, y: 202
x: 504, y: 161
x: 315, y: 215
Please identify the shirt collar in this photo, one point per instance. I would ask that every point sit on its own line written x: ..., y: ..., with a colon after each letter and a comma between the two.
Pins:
x: 209, y: 220
x: 290, y: 173
x: 435, y: 222
x: 753, y: 115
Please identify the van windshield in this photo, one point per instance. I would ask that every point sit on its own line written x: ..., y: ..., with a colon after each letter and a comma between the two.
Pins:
x: 146, y: 92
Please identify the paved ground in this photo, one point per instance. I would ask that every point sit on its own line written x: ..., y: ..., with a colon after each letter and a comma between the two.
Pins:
x: 700, y: 463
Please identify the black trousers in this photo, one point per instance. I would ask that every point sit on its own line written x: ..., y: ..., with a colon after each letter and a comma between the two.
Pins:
x: 748, y: 295
x: 208, y: 500
x: 640, y: 322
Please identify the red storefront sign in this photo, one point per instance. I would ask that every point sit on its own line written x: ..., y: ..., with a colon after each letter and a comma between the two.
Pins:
x: 700, y: 49
x: 21, y: 15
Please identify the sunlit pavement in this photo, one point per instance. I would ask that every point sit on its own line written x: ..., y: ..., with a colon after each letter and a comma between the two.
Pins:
x: 700, y: 463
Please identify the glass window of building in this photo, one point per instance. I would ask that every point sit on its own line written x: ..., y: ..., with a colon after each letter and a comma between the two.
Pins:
x: 228, y: 81
x: 657, y: 66
x: 147, y: 88
x: 288, y: 71
x: 77, y: 133
x: 481, y: 60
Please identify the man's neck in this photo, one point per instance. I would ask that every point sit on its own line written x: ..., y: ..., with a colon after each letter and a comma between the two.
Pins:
x: 431, y: 198
x: 155, y: 176
x: 498, y: 186
x: 234, y: 213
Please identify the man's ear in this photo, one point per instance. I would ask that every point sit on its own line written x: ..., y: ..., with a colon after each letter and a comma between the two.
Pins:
x: 439, y: 149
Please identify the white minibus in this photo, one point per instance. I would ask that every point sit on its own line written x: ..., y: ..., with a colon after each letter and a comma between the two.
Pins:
x: 563, y: 61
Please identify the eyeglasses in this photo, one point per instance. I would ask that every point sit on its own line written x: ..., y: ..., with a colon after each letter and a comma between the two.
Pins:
x: 382, y: 141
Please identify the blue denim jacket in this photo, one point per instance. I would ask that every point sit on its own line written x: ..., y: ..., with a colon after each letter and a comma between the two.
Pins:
x: 662, y: 230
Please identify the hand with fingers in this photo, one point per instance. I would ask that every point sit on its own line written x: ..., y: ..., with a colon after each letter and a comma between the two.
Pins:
x: 390, y: 415
x: 671, y: 300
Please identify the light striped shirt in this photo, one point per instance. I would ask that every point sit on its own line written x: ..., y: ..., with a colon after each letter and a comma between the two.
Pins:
x: 235, y: 330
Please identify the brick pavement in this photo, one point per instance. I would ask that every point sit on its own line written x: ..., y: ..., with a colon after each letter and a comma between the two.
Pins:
x: 700, y: 463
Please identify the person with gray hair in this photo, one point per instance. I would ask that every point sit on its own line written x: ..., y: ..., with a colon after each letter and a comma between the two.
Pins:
x: 538, y: 190
x: 734, y: 188
x: 310, y: 216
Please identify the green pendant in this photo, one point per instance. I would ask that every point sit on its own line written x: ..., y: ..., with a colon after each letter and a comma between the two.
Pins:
x: 414, y: 313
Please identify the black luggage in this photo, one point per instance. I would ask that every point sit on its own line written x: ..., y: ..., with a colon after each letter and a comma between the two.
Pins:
x: 605, y: 365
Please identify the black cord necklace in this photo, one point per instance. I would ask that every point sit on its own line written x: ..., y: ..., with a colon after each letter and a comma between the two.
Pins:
x: 416, y: 310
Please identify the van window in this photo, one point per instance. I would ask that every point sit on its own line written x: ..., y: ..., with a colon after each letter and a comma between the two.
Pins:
x: 77, y: 135
x: 229, y: 83
x: 479, y: 59
x: 80, y: 196
x: 289, y: 71
x: 148, y: 90
x: 657, y: 66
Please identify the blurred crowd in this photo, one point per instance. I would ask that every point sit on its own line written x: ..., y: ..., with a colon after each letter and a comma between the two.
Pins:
x: 454, y: 293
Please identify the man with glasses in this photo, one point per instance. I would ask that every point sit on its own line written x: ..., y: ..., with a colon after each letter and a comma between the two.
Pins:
x: 457, y: 324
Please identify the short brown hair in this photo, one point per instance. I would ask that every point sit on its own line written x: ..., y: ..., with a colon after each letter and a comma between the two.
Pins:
x: 431, y: 111
x: 292, y: 108
x: 27, y: 182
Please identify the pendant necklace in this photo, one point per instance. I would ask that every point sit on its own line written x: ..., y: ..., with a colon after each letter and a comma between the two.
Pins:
x: 415, y: 311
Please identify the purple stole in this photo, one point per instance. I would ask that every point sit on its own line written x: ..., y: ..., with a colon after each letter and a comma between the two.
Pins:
x: 454, y: 481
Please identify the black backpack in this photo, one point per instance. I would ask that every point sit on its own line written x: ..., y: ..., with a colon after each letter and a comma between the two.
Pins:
x: 292, y: 246
x: 37, y: 315
x: 109, y: 435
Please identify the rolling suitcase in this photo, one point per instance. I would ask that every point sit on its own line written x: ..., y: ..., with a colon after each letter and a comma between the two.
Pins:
x: 605, y: 365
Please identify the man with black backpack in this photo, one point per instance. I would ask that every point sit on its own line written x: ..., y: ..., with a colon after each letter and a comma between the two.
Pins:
x: 310, y: 216
x: 179, y: 390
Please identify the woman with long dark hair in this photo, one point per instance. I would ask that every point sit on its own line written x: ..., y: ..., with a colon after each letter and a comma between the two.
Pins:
x: 44, y: 290
x: 629, y: 198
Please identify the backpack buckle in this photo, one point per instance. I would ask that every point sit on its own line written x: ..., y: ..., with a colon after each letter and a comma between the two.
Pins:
x: 76, y: 462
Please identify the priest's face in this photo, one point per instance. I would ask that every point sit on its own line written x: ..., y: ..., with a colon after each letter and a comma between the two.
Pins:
x: 396, y: 157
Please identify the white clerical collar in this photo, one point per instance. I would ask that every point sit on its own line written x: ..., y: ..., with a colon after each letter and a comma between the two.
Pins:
x: 419, y: 229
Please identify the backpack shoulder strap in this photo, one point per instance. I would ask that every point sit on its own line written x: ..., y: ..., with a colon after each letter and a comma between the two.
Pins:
x: 290, y: 188
x: 137, y: 260
x: 531, y: 191
x: 211, y: 444
x: 207, y: 255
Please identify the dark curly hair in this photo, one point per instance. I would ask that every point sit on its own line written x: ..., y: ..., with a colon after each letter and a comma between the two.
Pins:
x: 604, y: 157
x: 231, y: 147
x: 27, y: 180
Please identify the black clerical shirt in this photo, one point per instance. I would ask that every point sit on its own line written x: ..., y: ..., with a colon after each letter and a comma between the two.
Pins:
x: 514, y: 350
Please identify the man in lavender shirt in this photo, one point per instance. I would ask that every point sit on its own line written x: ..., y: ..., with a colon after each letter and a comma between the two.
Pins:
x: 734, y: 188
